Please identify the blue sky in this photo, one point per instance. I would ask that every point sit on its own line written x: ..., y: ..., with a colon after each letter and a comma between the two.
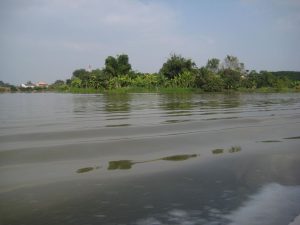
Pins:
x: 48, y: 40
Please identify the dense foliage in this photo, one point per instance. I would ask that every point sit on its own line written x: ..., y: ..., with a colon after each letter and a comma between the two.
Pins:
x: 176, y: 72
x: 177, y: 65
x: 6, y: 87
x: 180, y: 72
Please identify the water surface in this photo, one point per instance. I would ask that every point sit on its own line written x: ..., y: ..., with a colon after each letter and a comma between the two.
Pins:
x: 149, y: 159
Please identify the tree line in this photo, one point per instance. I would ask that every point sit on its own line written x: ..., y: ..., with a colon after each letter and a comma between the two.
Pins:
x: 180, y: 72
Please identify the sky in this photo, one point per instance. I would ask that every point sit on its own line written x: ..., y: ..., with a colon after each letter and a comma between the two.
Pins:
x: 46, y: 40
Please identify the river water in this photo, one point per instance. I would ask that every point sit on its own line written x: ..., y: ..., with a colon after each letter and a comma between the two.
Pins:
x: 149, y: 159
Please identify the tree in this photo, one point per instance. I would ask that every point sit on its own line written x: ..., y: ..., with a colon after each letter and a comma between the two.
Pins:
x: 184, y: 80
x: 232, y: 72
x: 83, y: 75
x: 68, y: 82
x: 2, y: 84
x: 231, y: 78
x: 76, y: 82
x: 232, y: 63
x: 123, y: 64
x: 59, y: 85
x: 213, y: 65
x: 202, y: 77
x: 265, y: 79
x: 98, y: 79
x: 59, y: 82
x: 117, y: 66
x: 111, y: 66
x: 79, y: 73
x: 214, y: 84
x: 176, y: 65
x: 208, y: 81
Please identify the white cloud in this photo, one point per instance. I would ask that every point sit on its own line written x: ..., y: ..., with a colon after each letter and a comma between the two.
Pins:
x: 148, y: 32
x: 80, y: 32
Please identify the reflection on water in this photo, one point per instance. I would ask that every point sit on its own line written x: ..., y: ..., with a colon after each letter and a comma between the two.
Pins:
x: 176, y: 121
x: 232, y: 102
x: 120, y: 164
x: 118, y: 125
x: 288, y: 138
x: 179, y: 157
x: 87, y: 169
x: 117, y: 102
x: 270, y: 141
x: 134, y: 109
x: 117, y: 108
x: 291, y: 138
x: 171, y: 102
x: 127, y: 164
x: 51, y: 145
x: 234, y: 149
x: 224, y: 118
x: 218, y: 151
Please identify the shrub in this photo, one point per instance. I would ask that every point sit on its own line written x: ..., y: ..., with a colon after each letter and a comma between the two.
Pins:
x: 184, y: 80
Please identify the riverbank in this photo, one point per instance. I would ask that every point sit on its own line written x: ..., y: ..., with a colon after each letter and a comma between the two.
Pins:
x: 153, y: 90
x: 172, y: 90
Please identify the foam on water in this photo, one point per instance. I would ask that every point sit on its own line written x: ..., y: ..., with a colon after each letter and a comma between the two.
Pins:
x: 274, y: 204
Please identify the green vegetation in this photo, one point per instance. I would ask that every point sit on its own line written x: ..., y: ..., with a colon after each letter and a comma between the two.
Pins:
x: 177, y: 65
x: 177, y: 74
x: 5, y: 87
x: 291, y: 75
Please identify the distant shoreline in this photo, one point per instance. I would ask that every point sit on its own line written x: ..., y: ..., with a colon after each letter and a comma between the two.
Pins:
x: 153, y: 90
